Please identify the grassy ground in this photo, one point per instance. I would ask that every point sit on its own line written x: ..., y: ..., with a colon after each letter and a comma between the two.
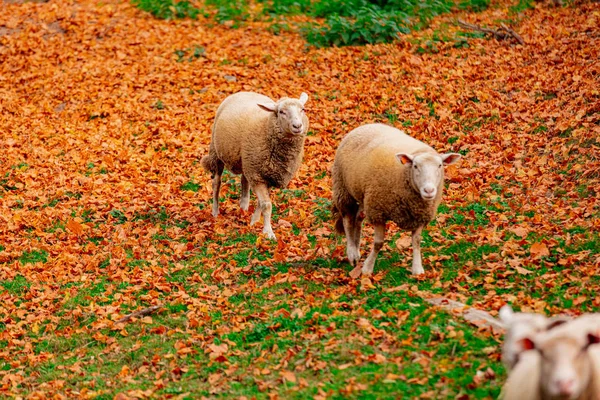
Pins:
x: 104, y: 209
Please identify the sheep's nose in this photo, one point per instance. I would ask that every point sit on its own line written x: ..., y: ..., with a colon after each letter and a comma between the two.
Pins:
x: 566, y: 386
x: 429, y: 190
x: 297, y: 126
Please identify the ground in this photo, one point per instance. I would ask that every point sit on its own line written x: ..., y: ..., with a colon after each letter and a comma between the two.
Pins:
x: 105, y: 113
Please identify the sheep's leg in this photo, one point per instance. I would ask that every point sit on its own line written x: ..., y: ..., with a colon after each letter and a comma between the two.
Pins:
x: 358, y: 229
x: 367, y: 268
x: 264, y: 207
x: 245, y: 199
x: 417, y: 267
x: 216, y: 187
x: 352, y: 250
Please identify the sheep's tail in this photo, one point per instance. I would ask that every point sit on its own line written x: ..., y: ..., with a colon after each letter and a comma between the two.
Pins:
x: 341, y: 199
x: 210, y: 162
x: 339, y: 220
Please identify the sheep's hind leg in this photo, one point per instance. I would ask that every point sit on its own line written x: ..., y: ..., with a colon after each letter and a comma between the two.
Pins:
x: 369, y: 264
x: 245, y: 199
x: 352, y: 249
x: 417, y: 267
x: 216, y: 187
x: 264, y: 207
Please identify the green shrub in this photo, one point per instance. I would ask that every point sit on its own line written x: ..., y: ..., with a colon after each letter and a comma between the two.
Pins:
x: 236, y: 10
x: 369, y: 25
x: 167, y: 9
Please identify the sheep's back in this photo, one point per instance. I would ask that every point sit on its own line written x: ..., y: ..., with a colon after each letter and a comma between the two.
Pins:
x: 366, y: 162
x: 238, y: 118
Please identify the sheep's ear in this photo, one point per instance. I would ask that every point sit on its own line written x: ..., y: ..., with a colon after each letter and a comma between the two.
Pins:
x: 271, y: 107
x: 555, y: 323
x: 404, y: 158
x: 303, y: 98
x: 593, y: 338
x: 450, y: 158
x: 527, y: 344
x: 506, y: 313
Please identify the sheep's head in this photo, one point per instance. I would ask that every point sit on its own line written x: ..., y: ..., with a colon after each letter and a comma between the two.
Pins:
x: 290, y: 114
x: 519, y: 326
x: 427, y: 170
x: 565, y: 366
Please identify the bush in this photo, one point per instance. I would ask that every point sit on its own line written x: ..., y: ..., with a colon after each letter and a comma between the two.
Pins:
x: 167, y: 9
x: 370, y: 25
x: 236, y: 10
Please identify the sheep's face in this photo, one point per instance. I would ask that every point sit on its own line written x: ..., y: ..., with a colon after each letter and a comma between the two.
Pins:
x: 427, y: 171
x: 290, y: 114
x: 565, y: 368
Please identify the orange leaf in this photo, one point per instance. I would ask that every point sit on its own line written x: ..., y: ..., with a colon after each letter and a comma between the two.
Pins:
x: 539, y: 250
x: 288, y: 376
x: 75, y: 227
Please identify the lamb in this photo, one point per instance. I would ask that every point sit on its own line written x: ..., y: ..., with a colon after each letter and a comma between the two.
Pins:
x: 381, y: 173
x: 261, y: 139
x: 564, y: 363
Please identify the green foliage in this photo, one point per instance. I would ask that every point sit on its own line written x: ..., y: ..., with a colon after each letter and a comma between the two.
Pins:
x: 236, y: 10
x: 167, y: 9
x: 521, y: 6
x: 367, y: 27
x: 474, y: 5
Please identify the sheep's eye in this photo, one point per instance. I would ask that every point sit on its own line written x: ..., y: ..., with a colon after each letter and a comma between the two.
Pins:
x: 281, y: 112
x: 415, y: 167
x: 440, y: 166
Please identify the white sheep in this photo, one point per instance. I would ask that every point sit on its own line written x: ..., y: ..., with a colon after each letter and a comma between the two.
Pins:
x: 518, y: 327
x: 261, y: 139
x: 383, y: 174
x: 564, y: 363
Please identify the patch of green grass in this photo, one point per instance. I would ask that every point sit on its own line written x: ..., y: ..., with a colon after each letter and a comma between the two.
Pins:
x: 34, y: 256
x: 191, y: 185
x: 17, y: 286
x: 118, y: 215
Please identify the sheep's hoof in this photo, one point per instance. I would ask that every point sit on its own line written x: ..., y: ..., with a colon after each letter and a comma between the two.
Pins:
x: 356, y: 272
x: 244, y: 204
x: 215, y: 212
x: 418, y: 271
x: 270, y: 235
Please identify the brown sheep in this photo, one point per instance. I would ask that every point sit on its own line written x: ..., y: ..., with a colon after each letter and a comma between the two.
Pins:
x: 383, y: 174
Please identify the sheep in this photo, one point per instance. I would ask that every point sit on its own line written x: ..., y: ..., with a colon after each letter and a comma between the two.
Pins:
x: 564, y: 363
x: 260, y: 139
x: 380, y: 173
x: 518, y: 326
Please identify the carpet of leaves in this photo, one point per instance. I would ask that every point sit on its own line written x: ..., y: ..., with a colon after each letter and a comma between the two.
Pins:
x: 105, y: 113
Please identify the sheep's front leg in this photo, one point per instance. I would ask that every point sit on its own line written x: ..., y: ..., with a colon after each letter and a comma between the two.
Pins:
x: 245, y: 199
x: 367, y: 268
x: 417, y: 267
x: 216, y: 187
x: 264, y: 207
